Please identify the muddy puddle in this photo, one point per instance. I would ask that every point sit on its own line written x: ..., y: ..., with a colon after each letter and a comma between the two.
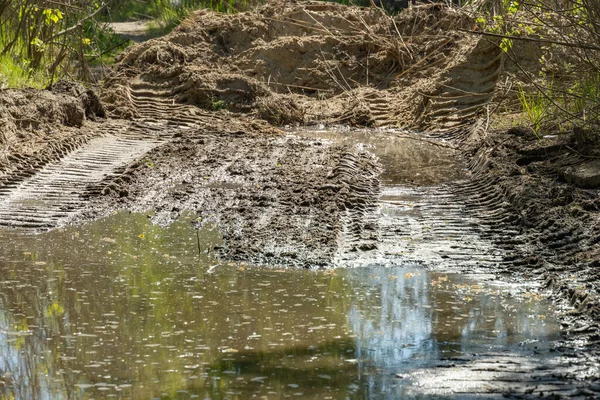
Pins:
x: 408, y: 158
x: 123, y: 309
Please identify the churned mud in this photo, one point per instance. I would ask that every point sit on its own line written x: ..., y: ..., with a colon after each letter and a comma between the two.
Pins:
x: 317, y: 135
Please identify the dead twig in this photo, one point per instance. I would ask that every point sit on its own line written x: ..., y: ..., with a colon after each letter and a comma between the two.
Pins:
x: 530, y: 39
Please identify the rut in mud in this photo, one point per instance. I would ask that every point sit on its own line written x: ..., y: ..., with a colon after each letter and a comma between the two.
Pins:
x: 49, y: 197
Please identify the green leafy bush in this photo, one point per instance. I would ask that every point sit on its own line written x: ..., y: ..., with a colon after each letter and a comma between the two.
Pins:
x: 42, y: 41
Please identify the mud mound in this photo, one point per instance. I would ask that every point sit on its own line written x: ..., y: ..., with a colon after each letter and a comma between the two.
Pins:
x: 331, y: 63
x: 213, y: 90
x: 92, y: 106
x: 33, y: 118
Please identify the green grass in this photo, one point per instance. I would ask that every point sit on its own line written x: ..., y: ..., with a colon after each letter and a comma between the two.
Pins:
x: 584, y: 97
x: 563, y: 105
x: 166, y: 14
x: 535, y: 108
x: 15, y: 73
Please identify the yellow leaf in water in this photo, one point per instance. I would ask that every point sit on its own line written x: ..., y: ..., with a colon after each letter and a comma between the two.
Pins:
x: 241, y: 269
x: 141, y: 236
x: 541, y: 316
x: 409, y: 275
x: 393, y: 277
x: 468, y: 298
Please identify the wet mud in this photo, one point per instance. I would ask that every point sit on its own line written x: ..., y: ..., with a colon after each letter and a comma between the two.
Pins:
x: 193, y: 122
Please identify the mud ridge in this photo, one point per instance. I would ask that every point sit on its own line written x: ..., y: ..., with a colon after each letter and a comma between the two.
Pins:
x: 523, y: 208
x: 359, y: 230
x: 285, y: 203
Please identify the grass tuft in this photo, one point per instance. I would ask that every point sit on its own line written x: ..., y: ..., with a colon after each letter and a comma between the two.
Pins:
x: 535, y: 107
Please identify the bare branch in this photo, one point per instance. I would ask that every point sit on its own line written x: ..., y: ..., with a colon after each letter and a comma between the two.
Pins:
x: 531, y: 39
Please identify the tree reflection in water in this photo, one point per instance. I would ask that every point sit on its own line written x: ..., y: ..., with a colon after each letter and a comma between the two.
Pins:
x: 126, y: 309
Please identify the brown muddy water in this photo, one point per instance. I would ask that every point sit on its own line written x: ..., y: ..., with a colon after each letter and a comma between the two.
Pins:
x: 120, y: 308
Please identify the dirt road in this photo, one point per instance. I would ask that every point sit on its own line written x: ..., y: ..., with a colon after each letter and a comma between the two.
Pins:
x: 193, y: 121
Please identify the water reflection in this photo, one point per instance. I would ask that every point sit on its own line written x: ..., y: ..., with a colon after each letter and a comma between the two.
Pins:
x: 409, y: 158
x: 123, y: 309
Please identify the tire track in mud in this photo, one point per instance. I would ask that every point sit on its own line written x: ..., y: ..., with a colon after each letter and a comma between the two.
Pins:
x: 156, y: 106
x: 429, y: 222
x: 53, y: 194
x: 358, y: 231
x: 462, y: 93
x: 54, y: 188
x: 541, y: 250
x: 456, y: 227
x: 430, y: 226
x: 551, y: 249
x: 452, y: 109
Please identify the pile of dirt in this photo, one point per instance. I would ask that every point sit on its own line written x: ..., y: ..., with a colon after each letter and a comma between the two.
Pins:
x: 35, y: 122
x: 313, y: 62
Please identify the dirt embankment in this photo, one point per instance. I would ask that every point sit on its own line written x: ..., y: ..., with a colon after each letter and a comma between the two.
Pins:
x: 41, y: 125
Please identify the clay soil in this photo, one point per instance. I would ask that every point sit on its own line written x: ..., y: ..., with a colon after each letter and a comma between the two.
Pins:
x: 224, y: 87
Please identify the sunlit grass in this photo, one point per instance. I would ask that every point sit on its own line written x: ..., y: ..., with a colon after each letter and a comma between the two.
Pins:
x: 14, y: 73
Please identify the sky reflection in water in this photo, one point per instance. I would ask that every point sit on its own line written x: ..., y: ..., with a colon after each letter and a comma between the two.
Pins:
x: 122, y: 309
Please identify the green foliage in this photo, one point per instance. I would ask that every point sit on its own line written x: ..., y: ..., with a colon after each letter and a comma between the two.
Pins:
x: 16, y: 73
x: 584, y: 95
x: 568, y: 35
x: 217, y: 105
x: 164, y: 15
x: 506, y: 44
x: 43, y: 41
x: 167, y: 11
x: 535, y: 107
